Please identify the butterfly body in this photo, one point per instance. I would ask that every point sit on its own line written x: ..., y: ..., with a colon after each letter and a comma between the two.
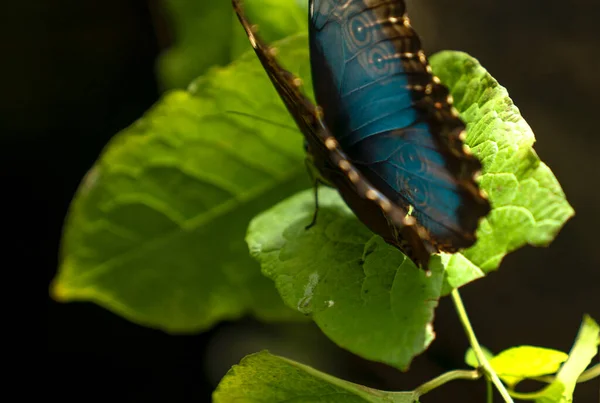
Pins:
x: 385, y: 134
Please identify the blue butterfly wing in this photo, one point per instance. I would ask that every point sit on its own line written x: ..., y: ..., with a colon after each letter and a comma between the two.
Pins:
x: 393, y: 118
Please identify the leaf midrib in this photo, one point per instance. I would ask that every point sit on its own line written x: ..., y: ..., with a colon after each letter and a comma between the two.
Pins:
x: 191, y: 224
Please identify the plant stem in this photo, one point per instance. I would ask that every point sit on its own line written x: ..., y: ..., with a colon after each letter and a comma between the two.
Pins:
x: 483, y: 362
x: 489, y: 390
x: 586, y: 376
x: 590, y: 374
x: 445, y: 378
x: 528, y: 396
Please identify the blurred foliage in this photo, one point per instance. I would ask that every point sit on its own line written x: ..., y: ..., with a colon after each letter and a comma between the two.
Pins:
x: 207, y: 33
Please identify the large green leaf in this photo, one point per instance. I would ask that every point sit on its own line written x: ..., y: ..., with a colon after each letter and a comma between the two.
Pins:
x: 207, y: 33
x: 156, y: 229
x: 364, y: 295
x: 263, y: 377
x: 362, y: 292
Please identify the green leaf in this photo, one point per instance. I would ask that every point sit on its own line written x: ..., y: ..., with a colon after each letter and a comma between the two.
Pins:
x: 207, y: 33
x: 263, y: 377
x: 471, y: 358
x: 518, y: 363
x: 156, y: 230
x: 580, y: 356
x: 529, y: 206
x: 365, y: 296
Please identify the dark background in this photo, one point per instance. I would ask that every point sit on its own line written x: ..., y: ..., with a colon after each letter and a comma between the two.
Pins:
x: 75, y: 72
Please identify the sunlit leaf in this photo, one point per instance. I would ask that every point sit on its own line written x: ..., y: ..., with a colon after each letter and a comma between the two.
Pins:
x: 529, y: 206
x: 518, y: 363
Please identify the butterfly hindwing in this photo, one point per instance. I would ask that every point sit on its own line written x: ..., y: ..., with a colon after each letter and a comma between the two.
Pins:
x: 392, y: 116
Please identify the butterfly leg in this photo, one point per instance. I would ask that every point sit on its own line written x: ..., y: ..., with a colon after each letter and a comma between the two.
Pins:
x: 315, y: 181
x: 314, y: 219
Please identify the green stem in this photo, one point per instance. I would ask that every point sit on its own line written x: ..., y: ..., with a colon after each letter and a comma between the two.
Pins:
x: 586, y: 376
x: 445, y: 378
x: 489, y: 390
x: 483, y: 362
x: 528, y: 396
x: 590, y: 374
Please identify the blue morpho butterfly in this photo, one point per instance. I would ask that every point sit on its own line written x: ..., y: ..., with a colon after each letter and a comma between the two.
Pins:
x: 385, y: 134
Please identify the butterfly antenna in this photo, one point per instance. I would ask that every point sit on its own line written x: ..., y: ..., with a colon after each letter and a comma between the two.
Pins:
x: 249, y: 115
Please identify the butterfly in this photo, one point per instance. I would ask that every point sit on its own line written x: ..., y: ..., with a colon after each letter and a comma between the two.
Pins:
x: 384, y: 133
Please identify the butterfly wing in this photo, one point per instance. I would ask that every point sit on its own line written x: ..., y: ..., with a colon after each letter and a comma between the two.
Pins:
x: 393, y: 118
x: 372, y: 207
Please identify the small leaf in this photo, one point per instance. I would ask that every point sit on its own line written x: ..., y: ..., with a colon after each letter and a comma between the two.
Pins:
x: 156, y: 229
x: 263, y: 377
x: 518, y: 363
x: 364, y: 294
x: 471, y: 358
x: 207, y: 33
x: 582, y: 353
